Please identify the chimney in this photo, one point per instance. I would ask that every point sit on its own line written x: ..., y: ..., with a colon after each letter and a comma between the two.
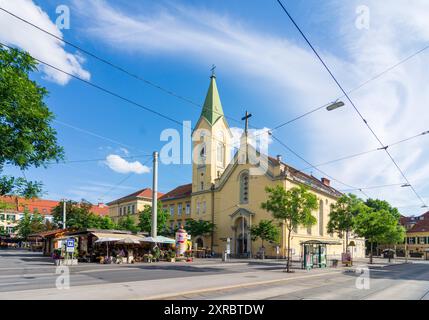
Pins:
x: 326, y: 182
x: 279, y: 158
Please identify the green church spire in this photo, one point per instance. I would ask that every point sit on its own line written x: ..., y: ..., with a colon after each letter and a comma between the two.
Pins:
x: 212, y: 109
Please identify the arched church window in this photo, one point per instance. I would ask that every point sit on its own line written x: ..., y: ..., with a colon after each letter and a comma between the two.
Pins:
x: 203, y: 150
x: 244, y: 187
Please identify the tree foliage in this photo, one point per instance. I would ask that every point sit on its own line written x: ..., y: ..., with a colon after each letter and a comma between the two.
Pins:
x: 293, y: 206
x: 79, y: 216
x: 265, y: 230
x: 342, y: 215
x: 145, y: 219
x: 29, y: 224
x: 27, y: 138
x: 198, y: 228
x: 375, y: 225
x: 127, y: 223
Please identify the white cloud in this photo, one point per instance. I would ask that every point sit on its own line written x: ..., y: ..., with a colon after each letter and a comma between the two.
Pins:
x: 14, y: 32
x: 395, y: 105
x: 120, y: 165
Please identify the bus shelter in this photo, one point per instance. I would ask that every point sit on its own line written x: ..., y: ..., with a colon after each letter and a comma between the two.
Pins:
x: 314, y: 253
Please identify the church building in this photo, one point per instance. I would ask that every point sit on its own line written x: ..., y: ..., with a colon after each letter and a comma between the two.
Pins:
x: 228, y: 187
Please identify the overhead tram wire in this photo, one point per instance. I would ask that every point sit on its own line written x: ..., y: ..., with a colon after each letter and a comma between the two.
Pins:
x: 148, y: 82
x: 138, y: 104
x: 96, y: 135
x: 122, y: 181
x: 311, y: 165
x: 369, y: 151
x: 113, y: 65
x: 116, y: 95
x: 351, y: 102
x: 161, y: 88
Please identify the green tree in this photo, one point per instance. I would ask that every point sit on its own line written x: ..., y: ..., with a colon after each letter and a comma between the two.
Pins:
x: 127, y: 223
x: 374, y: 226
x: 27, y: 138
x: 341, y: 217
x: 29, y: 224
x: 79, y: 216
x: 293, y: 207
x: 198, y: 228
x: 395, y: 235
x: 145, y: 219
x: 106, y: 223
x: 265, y: 230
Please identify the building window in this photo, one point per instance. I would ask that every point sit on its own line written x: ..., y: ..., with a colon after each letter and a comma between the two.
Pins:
x: 244, y: 187
x: 172, y: 226
x: 203, y: 151
x: 188, y: 209
x: 220, y: 153
x: 179, y: 210
x: 2, y: 217
x: 411, y: 240
x: 321, y: 226
x: 172, y: 210
x: 422, y: 240
x: 10, y: 217
x: 204, y: 207
x: 133, y: 209
x: 198, y: 207
x: 10, y: 230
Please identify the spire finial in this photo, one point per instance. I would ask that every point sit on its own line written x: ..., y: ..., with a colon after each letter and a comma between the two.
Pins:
x: 213, y: 71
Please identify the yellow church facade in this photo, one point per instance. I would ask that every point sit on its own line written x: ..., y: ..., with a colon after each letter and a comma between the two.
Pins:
x: 228, y: 187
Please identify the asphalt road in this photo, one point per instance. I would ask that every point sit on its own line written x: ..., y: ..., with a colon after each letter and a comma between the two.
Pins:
x: 395, y: 282
x: 23, y: 270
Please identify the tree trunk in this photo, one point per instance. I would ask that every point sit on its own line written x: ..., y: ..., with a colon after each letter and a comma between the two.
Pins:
x: 288, y: 251
x: 370, y: 254
x: 263, y: 250
x: 347, y: 240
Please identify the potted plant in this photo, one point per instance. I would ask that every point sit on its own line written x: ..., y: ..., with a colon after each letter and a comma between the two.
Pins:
x: 148, y: 257
x: 171, y: 256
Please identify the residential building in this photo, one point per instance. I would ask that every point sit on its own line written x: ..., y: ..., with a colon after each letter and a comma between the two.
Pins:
x: 10, y: 217
x: 417, y: 236
x: 131, y: 204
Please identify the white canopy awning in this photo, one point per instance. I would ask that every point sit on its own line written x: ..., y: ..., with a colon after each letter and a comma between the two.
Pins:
x: 113, y: 237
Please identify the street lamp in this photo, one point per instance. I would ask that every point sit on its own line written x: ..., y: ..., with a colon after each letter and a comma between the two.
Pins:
x: 406, y: 185
x: 335, y: 105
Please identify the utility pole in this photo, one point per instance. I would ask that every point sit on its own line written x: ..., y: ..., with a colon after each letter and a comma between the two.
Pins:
x: 64, y: 213
x: 154, y: 195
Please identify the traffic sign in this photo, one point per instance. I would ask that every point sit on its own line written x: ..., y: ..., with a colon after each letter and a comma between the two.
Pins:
x: 70, y: 245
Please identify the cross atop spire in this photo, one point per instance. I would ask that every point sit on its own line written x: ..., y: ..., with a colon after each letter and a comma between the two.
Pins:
x: 213, y: 71
x: 246, y: 118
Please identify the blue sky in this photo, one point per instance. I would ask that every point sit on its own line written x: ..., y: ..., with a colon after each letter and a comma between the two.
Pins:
x: 263, y: 66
